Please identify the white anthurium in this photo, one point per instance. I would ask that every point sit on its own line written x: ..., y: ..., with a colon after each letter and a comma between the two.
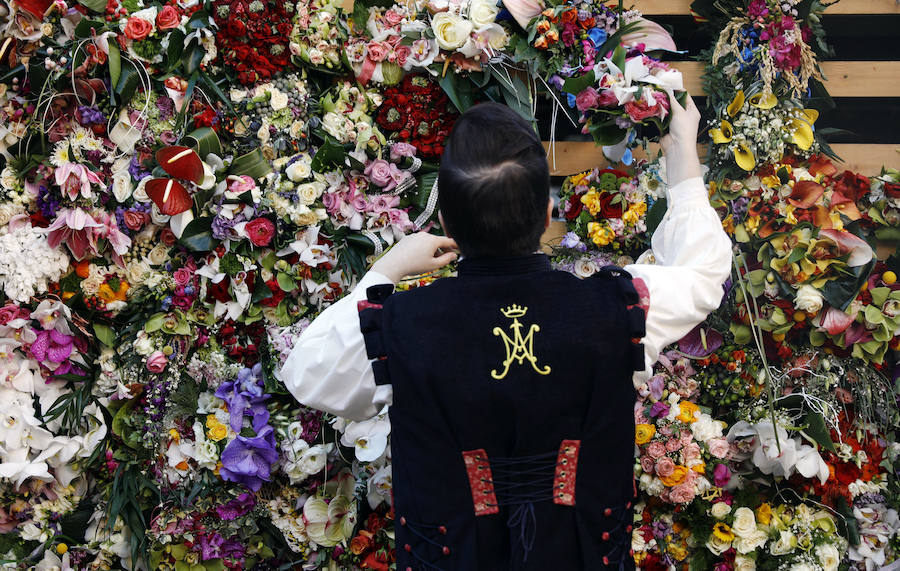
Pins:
x: 210, y: 166
x: 179, y: 222
x: 124, y: 134
x: 368, y: 437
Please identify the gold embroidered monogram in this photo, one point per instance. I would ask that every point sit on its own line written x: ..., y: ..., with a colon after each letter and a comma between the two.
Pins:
x: 518, y: 348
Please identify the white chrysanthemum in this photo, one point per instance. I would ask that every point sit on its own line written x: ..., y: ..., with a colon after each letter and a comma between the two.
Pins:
x: 27, y: 262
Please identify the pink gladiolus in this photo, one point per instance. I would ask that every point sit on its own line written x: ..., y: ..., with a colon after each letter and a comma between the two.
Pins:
x: 78, y: 230
x: 73, y: 178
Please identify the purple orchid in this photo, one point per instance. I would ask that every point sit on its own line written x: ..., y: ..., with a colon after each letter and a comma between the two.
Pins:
x: 52, y: 345
x: 248, y: 460
x: 236, y: 507
x: 245, y: 396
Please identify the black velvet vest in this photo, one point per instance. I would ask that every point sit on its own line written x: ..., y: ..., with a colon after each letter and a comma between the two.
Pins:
x: 512, y: 420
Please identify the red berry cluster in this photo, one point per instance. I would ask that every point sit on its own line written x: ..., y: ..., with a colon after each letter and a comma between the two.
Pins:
x: 417, y: 111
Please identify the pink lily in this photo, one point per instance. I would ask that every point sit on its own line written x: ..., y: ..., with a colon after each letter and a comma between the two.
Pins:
x: 73, y: 177
x: 77, y: 229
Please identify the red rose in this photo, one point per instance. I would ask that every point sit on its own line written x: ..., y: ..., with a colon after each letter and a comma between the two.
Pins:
x: 167, y: 237
x: 607, y: 208
x: 575, y: 207
x: 137, y: 28
x: 260, y: 231
x: 235, y: 28
x: 168, y: 18
x: 638, y: 111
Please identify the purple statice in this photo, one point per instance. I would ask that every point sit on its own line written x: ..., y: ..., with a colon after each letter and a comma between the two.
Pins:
x: 237, y: 507
x: 739, y: 208
x: 135, y: 170
x: 249, y: 460
x: 166, y: 107
x: 222, y: 227
x: 48, y: 202
x: 91, y: 115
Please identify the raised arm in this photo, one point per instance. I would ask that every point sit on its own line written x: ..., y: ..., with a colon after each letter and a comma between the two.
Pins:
x: 693, y: 253
x: 328, y: 368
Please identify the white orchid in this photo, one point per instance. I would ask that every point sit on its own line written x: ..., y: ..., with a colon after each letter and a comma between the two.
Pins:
x: 369, y: 437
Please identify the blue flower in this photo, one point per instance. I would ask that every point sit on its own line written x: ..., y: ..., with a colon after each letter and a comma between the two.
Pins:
x: 570, y: 99
x: 249, y: 460
x: 597, y: 36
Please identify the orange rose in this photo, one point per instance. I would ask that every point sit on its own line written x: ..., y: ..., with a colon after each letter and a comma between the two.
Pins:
x: 552, y: 36
x: 361, y: 543
x: 137, y: 28
x: 541, y: 43
x: 568, y: 15
x: 168, y: 18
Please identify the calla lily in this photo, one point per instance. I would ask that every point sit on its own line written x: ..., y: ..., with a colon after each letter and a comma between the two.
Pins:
x: 744, y: 158
x: 805, y: 193
x: 652, y: 35
x: 860, y: 251
x: 736, y: 104
x: 802, y: 134
x: 723, y: 134
x: 763, y: 101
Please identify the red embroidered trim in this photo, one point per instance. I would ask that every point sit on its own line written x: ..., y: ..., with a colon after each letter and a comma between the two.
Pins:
x: 643, y: 294
x: 566, y: 468
x: 481, y: 481
x: 366, y: 304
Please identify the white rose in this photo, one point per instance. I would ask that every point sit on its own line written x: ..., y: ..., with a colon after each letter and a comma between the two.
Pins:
x: 808, y: 299
x: 158, y: 217
x: 237, y: 94
x: 158, y: 255
x: 142, y: 344
x: 299, y: 170
x: 8, y: 179
x: 309, y: 192
x: 585, y: 268
x: 140, y: 192
x: 829, y: 557
x: 744, y: 563
x: 786, y: 543
x: 483, y: 12
x: 122, y: 186
x: 450, y: 31
x: 206, y: 453
x: 263, y: 133
x: 312, y: 461
x: 749, y: 544
x: 716, y: 545
x: 278, y: 100
x: 719, y: 510
x: 297, y: 129
x: 136, y: 272
x: 744, y: 522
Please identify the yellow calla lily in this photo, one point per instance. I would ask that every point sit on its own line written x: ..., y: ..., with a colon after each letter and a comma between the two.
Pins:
x: 801, y: 134
x: 736, y: 103
x: 744, y: 158
x: 811, y: 115
x: 723, y: 134
x: 763, y: 101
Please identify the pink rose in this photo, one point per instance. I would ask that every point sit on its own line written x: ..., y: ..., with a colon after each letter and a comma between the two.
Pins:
x: 691, y: 452
x: 639, y: 110
x: 392, y: 18
x: 377, y: 51
x: 686, y: 437
x: 673, y: 445
x: 665, y: 430
x: 607, y: 99
x: 656, y: 449
x: 682, y: 494
x: 135, y: 220
x: 11, y: 311
x: 379, y: 172
x: 587, y: 99
x: 156, y: 362
x: 168, y: 18
x: 400, y: 150
x: 718, y: 447
x: 664, y: 467
x: 647, y: 464
x: 400, y: 55
x: 260, y: 231
x: 182, y: 276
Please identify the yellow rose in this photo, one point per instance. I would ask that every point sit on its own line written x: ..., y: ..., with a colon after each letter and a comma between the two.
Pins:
x: 450, y: 31
x: 676, y: 477
x: 218, y: 432
x: 688, y: 410
x: 643, y: 433
x: 764, y: 514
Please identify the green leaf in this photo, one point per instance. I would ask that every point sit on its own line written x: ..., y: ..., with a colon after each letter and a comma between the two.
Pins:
x: 97, y: 6
x: 606, y: 132
x: 840, y: 292
x: 192, y: 56
x: 576, y: 85
x: 105, y: 334
x: 205, y: 141
x: 85, y: 28
x: 197, y: 235
x: 175, y: 49
x: 115, y: 64
x: 328, y: 156
x: 252, y: 164
x: 128, y: 82
x: 818, y: 431
x: 155, y: 323
x: 458, y: 90
x: 285, y: 282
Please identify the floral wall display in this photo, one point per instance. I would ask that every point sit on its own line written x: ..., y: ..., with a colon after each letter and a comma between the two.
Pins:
x: 185, y: 185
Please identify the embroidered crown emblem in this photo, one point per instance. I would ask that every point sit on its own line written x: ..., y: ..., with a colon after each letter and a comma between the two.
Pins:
x: 519, y: 348
x: 514, y: 311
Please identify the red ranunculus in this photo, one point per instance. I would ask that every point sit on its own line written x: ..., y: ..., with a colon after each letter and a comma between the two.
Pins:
x: 137, y: 28
x: 260, y: 231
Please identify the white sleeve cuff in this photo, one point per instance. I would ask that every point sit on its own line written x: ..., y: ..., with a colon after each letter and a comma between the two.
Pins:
x: 688, y: 193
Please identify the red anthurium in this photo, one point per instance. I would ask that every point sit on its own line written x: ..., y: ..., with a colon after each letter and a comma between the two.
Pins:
x: 169, y: 195
x: 181, y: 162
x: 805, y: 193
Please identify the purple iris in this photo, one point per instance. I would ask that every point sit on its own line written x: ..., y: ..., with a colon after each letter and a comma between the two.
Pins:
x: 245, y: 397
x: 248, y: 460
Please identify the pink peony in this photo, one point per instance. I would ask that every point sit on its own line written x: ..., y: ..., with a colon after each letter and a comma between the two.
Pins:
x: 673, y: 445
x: 260, y: 231
x: 587, y: 99
x: 664, y: 467
x: 682, y: 494
x: 156, y: 362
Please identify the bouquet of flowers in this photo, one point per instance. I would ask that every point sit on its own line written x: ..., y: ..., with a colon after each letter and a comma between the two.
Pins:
x: 319, y: 34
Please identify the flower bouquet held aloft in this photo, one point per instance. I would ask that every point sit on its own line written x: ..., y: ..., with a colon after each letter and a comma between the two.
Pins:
x: 599, y: 59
